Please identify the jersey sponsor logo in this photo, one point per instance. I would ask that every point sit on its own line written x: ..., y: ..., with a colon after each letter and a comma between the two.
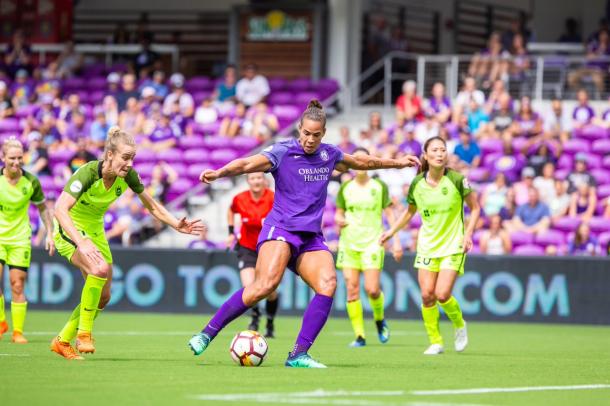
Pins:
x: 118, y: 191
x: 444, y: 190
x: 76, y: 186
x: 314, y: 174
x: 324, y: 155
x: 24, y: 190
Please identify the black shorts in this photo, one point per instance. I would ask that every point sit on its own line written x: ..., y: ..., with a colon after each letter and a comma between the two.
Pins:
x: 247, y: 257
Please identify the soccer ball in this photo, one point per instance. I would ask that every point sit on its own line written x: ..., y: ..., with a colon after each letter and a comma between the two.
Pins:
x: 248, y: 348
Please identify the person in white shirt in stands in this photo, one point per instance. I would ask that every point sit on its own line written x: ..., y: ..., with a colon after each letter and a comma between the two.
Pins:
x: 496, y: 240
x: 469, y: 92
x: 252, y: 88
x: 558, y: 122
x: 185, y: 100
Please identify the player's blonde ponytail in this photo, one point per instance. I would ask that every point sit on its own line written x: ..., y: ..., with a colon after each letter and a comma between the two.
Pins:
x: 11, y: 142
x: 116, y: 137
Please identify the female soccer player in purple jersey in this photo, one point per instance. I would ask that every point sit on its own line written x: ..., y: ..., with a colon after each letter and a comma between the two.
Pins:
x: 291, y: 235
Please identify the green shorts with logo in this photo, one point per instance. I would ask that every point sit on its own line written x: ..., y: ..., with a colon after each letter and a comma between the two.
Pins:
x: 66, y: 247
x: 370, y: 258
x: 16, y: 255
x: 453, y: 262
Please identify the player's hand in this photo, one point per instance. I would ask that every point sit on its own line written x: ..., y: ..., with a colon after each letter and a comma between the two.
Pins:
x: 385, y: 237
x: 409, y: 160
x: 397, y: 251
x: 194, y: 227
x: 230, y: 241
x: 49, y: 244
x: 208, y: 176
x: 467, y: 243
x: 90, y: 252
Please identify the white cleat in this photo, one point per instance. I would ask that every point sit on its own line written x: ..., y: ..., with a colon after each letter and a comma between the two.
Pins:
x: 461, y: 338
x: 434, y: 349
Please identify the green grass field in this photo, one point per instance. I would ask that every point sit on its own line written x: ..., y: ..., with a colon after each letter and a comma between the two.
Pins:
x: 143, y: 359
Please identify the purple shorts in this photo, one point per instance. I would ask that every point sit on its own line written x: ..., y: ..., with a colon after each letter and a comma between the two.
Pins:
x: 300, y: 241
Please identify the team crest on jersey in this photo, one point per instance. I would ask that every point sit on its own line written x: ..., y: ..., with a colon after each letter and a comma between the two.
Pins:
x: 24, y: 190
x: 119, y: 191
x: 324, y: 155
x: 444, y: 190
x: 373, y: 192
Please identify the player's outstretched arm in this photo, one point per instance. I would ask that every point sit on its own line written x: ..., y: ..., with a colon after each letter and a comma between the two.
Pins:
x: 47, y: 220
x: 402, y: 221
x: 254, y: 163
x: 162, y: 214
x: 475, y: 211
x: 370, y: 162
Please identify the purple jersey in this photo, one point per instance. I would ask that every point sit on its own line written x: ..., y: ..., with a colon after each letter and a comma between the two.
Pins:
x: 300, y: 184
x: 438, y: 106
x: 606, y: 115
x: 583, y: 114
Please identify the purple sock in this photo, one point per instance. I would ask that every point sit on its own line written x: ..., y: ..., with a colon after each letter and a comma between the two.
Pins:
x: 313, y: 320
x: 229, y: 311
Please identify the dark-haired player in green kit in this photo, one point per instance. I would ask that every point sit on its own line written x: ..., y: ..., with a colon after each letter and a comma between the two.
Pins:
x: 79, y: 232
x: 438, y: 194
x: 18, y: 189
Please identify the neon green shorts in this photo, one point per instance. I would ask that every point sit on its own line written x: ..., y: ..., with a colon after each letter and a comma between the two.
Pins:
x: 371, y: 258
x: 16, y: 255
x: 66, y: 247
x: 453, y: 262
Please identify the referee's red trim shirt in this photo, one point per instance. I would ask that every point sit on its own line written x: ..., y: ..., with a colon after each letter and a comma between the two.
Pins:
x: 252, y: 213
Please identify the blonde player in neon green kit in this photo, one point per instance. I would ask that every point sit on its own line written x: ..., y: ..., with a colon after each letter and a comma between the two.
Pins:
x: 79, y: 232
x: 360, y: 205
x: 18, y: 189
x: 438, y: 194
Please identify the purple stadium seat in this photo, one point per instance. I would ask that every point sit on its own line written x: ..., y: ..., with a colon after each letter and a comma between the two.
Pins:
x: 575, y: 146
x: 562, y: 174
x: 217, y: 142
x: 98, y: 83
x: 529, y: 250
x: 244, y: 143
x: 97, y: 96
x: 604, y: 239
x: 277, y: 84
x: 601, y: 147
x: 188, y: 142
x: 193, y: 171
x: 521, y: 238
x: 603, y: 191
x: 566, y: 224
x: 550, y: 237
x: 300, y: 84
x: 599, y: 224
x: 206, y: 129
x: 593, y: 161
x: 606, y: 162
x: 489, y: 160
x: 591, y: 132
x: 196, y: 155
x: 170, y: 156
x: 519, y: 143
x: 303, y: 98
x: 565, y: 162
x: 602, y: 176
x: 9, y: 125
x: 199, y: 83
x: 145, y: 155
x: 61, y: 155
x: 478, y: 175
x: 73, y: 84
x: 201, y: 95
x: 491, y: 146
x: 145, y: 169
x: 58, y: 169
x: 180, y: 186
x: 281, y: 98
x: 476, y: 237
x: 223, y: 156
x: 287, y: 112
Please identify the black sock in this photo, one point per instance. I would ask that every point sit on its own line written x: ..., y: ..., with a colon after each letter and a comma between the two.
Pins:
x: 256, y: 313
x: 271, y: 308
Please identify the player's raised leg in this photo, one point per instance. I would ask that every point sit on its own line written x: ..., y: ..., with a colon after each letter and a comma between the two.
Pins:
x: 430, y: 311
x: 272, y: 261
x: 18, y: 304
x: 450, y: 305
x: 372, y: 286
x: 247, y: 278
x: 318, y: 271
x: 354, y: 306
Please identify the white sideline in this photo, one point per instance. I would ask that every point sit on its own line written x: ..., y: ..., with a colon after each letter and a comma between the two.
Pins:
x: 14, y: 355
x: 476, y: 391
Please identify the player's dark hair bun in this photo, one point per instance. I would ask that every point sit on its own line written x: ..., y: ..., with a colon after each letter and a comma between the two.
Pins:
x: 314, y: 103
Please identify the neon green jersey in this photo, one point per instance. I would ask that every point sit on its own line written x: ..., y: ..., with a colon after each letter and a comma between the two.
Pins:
x: 14, y: 204
x: 442, y: 213
x: 92, y: 197
x: 363, y: 205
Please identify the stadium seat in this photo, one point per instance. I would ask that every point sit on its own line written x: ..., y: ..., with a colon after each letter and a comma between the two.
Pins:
x: 601, y: 147
x: 528, y: 250
x: 491, y: 146
x: 566, y: 224
x: 604, y: 239
x: 145, y: 155
x: 575, y: 146
x: 244, y: 143
x: 599, y: 224
x: 603, y: 191
x: 170, y: 156
x: 188, y: 142
x: 565, y: 162
x: 519, y: 238
x: 478, y: 175
x: 217, y: 142
x: 222, y: 156
x: 602, y: 176
x: 196, y: 155
x: 550, y: 237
